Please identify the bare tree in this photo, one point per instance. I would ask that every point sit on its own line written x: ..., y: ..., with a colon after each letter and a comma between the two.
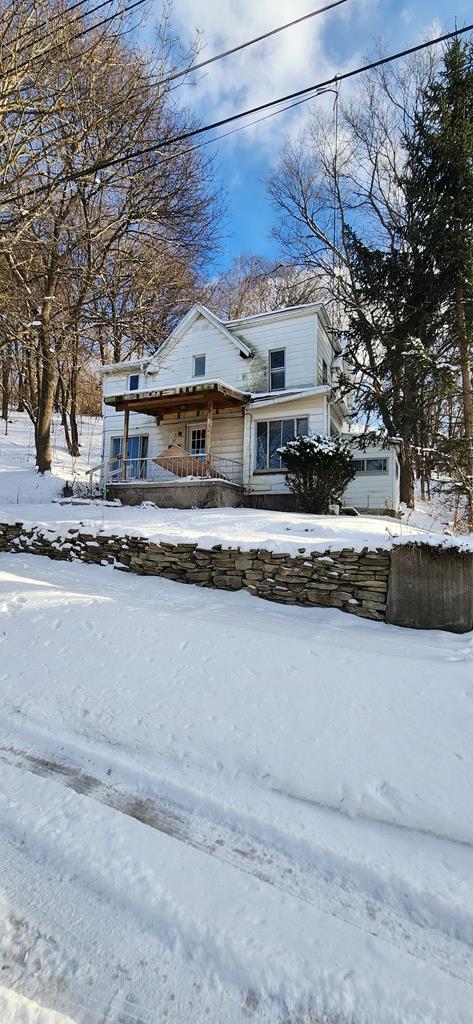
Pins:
x: 65, y: 233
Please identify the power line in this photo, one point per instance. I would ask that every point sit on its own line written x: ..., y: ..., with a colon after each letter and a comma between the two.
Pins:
x: 79, y: 17
x: 251, y: 42
x: 55, y: 17
x: 316, y: 87
x: 78, y: 35
x: 308, y: 93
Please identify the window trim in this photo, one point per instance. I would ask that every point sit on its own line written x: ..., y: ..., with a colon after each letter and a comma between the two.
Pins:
x: 142, y: 459
x: 200, y: 355
x: 277, y: 369
x: 372, y: 472
x: 275, y: 419
x: 131, y: 376
x: 193, y: 428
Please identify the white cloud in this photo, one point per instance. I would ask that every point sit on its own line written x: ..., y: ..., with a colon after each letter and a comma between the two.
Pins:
x: 280, y: 65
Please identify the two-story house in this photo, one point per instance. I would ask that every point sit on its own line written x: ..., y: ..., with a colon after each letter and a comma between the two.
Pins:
x: 201, y: 421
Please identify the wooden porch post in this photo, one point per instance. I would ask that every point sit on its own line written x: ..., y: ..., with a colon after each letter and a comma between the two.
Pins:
x: 125, y: 442
x: 208, y: 433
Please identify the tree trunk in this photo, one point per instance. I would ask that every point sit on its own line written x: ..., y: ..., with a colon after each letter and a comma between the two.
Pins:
x: 45, y: 398
x: 6, y: 368
x: 467, y: 394
x: 406, y: 483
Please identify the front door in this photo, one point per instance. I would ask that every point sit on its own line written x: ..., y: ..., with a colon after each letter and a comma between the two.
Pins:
x: 196, y: 442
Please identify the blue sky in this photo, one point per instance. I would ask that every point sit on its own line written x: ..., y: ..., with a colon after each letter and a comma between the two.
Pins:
x: 335, y: 41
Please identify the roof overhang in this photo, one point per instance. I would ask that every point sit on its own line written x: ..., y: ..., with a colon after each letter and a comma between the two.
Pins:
x: 184, y: 398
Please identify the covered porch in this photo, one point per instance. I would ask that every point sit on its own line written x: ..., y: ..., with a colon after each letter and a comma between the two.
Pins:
x: 186, y: 444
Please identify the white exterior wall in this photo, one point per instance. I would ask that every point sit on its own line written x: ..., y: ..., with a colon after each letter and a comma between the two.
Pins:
x: 227, y: 433
x: 375, y: 490
x: 314, y: 407
x: 324, y: 351
x: 297, y: 335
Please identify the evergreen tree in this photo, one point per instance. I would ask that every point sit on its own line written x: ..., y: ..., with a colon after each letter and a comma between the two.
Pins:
x: 441, y: 165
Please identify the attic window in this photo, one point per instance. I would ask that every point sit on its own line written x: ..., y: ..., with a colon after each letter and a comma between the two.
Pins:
x: 134, y: 382
x: 198, y: 369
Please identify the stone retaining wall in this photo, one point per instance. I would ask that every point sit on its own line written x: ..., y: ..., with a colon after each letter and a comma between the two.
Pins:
x: 355, y: 582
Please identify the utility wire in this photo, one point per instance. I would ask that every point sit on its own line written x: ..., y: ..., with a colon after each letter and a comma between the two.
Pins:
x: 251, y: 42
x: 316, y: 87
x: 79, y: 17
x: 78, y: 35
x: 54, y: 17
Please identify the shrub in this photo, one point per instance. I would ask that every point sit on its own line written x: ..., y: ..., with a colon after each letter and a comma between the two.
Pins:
x: 318, y: 469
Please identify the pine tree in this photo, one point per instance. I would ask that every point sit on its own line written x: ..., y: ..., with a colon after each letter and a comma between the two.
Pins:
x: 441, y: 164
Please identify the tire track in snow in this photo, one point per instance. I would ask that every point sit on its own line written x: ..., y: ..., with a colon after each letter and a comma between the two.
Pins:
x: 344, y: 899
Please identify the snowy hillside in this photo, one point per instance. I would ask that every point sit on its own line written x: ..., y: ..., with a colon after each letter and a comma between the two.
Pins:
x: 19, y: 481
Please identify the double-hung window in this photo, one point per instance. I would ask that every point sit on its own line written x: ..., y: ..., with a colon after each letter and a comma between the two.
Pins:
x: 134, y: 382
x: 277, y: 369
x: 271, y: 435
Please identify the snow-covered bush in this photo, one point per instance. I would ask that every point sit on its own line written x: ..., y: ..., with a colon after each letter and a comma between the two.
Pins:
x: 318, y: 469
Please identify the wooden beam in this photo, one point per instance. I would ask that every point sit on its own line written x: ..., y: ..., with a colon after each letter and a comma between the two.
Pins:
x: 126, y: 421
x: 208, y: 432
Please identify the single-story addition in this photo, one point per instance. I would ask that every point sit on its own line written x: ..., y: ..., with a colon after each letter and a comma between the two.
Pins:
x: 201, y: 421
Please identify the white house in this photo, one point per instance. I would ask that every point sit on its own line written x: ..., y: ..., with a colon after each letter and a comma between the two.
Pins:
x: 202, y: 419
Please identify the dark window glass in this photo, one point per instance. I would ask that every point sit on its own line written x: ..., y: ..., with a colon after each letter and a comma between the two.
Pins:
x: 324, y: 372
x: 359, y: 465
x: 199, y: 366
x: 376, y: 465
x: 261, y: 445
x: 134, y: 382
x: 302, y: 426
x: 277, y: 370
x: 274, y: 444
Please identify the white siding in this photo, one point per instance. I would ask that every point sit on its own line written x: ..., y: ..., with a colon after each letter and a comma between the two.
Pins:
x: 298, y: 336
x: 375, y: 490
x: 222, y: 359
x: 227, y: 433
x: 324, y: 352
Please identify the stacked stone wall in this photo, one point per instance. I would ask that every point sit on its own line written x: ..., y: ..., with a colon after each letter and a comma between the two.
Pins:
x: 354, y: 581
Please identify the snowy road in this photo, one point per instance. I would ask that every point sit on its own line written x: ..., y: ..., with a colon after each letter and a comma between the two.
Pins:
x: 213, y: 809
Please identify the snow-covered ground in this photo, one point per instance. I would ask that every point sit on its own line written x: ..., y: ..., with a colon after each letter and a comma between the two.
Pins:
x: 19, y: 481
x: 216, y: 809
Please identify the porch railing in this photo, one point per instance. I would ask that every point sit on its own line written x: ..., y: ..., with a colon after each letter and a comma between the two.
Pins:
x: 168, y: 468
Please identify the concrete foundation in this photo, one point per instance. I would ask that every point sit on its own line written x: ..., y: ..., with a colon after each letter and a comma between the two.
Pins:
x: 185, y: 494
x: 430, y: 588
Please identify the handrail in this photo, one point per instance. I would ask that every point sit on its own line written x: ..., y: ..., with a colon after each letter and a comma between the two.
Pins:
x: 171, y: 467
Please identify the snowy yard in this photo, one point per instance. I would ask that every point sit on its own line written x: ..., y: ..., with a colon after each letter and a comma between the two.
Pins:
x: 215, y: 809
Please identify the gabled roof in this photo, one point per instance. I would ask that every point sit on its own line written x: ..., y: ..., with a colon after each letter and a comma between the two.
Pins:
x: 187, y: 321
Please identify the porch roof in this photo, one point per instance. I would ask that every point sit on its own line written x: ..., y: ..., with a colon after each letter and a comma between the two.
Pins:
x: 179, y: 398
